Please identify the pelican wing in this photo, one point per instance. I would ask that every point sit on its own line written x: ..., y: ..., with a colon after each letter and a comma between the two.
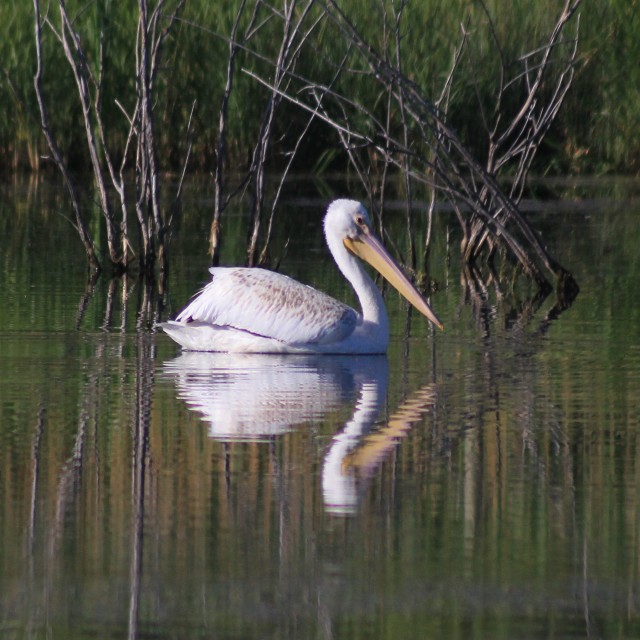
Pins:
x: 272, y: 305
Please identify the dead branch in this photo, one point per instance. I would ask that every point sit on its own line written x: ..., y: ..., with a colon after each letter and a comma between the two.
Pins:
x: 147, y: 205
x: 455, y: 155
x: 80, y: 225
x: 219, y: 181
x: 520, y: 138
x: 406, y: 159
x: 150, y: 214
x: 77, y: 61
x: 89, y: 83
x: 436, y: 155
x: 295, y: 33
x: 293, y: 28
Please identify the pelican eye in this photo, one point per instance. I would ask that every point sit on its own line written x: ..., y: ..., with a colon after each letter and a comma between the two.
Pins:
x: 360, y: 221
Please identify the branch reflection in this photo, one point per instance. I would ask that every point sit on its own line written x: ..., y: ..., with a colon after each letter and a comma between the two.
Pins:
x: 257, y: 397
x: 516, y: 313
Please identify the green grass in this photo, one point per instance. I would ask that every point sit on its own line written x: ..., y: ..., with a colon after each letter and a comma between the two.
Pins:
x: 597, y: 131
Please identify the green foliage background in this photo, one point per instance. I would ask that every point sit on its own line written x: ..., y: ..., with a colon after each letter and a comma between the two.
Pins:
x: 597, y: 131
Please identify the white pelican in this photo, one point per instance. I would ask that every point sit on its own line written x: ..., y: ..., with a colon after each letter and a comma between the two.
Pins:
x: 258, y: 311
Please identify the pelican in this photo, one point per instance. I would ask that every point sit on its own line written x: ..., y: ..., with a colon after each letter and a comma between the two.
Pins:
x: 248, y: 310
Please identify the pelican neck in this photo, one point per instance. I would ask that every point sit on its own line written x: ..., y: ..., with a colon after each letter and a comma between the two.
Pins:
x: 369, y: 296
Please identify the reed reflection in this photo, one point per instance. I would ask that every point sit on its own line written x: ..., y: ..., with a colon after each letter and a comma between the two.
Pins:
x: 254, y: 397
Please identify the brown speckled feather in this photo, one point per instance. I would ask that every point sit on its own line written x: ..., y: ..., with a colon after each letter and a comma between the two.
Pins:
x: 271, y: 305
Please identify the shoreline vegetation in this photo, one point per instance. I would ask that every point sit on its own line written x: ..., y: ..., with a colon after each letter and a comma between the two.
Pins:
x: 597, y: 130
x: 451, y: 98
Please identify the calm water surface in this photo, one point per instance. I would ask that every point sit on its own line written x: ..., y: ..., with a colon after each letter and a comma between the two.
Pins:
x: 482, y: 482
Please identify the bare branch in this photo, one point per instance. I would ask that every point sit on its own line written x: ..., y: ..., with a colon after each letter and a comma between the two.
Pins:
x: 287, y: 57
x: 218, y: 207
x: 441, y: 159
x: 151, y: 34
x: 81, y: 227
x: 77, y: 61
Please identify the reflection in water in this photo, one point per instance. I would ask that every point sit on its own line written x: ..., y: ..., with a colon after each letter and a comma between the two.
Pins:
x: 358, y: 451
x: 518, y: 314
x: 339, y: 482
x: 254, y: 397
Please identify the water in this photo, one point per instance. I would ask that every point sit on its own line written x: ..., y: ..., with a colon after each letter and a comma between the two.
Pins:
x: 481, y: 482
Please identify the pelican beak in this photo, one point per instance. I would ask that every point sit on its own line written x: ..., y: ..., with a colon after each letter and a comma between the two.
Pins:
x: 368, y: 248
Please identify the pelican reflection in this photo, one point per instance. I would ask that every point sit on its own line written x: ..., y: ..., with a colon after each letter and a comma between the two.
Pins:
x: 254, y: 397
x: 360, y: 448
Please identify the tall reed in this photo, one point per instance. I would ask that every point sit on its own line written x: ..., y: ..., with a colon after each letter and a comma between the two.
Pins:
x: 598, y: 131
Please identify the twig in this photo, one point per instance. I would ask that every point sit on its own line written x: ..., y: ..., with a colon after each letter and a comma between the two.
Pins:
x: 285, y: 62
x: 218, y: 206
x: 77, y: 61
x: 81, y: 227
x: 89, y: 84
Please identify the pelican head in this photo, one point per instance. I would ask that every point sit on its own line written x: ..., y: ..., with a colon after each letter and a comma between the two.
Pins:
x: 347, y: 225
